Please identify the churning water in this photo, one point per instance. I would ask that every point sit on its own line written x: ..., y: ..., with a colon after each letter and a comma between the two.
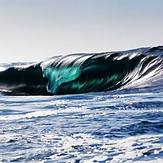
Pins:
x: 124, y: 124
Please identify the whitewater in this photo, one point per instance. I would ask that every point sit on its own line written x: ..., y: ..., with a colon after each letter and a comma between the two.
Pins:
x: 81, y: 108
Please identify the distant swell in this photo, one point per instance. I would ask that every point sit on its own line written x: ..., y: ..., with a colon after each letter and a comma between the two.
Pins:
x: 81, y: 73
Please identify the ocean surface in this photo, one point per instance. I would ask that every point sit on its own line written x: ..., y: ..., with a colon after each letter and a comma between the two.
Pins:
x: 120, y: 125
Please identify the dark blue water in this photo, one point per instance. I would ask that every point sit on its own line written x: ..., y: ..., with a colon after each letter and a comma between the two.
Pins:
x: 115, y: 126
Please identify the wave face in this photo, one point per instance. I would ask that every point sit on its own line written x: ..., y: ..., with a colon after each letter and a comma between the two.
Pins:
x: 81, y: 73
x: 18, y: 79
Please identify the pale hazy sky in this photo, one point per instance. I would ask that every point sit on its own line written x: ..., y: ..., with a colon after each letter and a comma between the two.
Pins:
x: 38, y: 29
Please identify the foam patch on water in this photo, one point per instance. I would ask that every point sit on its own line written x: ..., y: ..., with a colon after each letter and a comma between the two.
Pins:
x: 40, y: 113
x: 87, y: 149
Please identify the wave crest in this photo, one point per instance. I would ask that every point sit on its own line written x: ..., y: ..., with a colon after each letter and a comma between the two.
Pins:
x: 81, y: 73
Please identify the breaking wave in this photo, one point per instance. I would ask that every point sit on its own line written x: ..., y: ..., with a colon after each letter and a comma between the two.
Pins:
x: 82, y: 73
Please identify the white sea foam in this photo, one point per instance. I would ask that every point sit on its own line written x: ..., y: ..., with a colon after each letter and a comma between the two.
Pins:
x: 112, y: 151
x: 40, y: 113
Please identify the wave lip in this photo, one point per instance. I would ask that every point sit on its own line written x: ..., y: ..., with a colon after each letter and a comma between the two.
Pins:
x: 81, y: 73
